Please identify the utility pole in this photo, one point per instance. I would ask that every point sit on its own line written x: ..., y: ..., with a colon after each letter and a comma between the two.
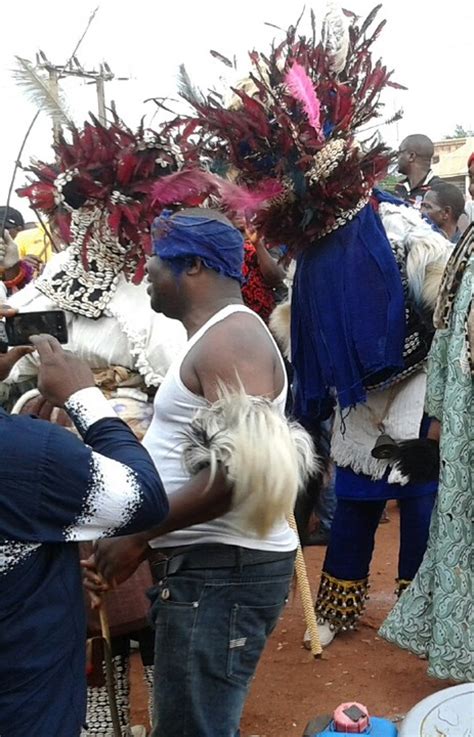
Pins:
x: 100, y: 87
x: 73, y: 68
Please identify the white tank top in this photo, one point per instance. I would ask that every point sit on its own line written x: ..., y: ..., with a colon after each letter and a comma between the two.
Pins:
x: 175, y: 407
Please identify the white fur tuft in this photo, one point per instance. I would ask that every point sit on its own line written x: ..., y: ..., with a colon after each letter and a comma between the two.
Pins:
x: 268, y: 458
x: 426, y: 251
x: 280, y: 326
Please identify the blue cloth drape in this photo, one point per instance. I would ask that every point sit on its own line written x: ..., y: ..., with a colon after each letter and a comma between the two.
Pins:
x: 348, y: 315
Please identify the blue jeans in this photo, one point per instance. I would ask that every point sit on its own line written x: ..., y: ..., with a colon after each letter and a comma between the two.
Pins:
x: 211, y: 626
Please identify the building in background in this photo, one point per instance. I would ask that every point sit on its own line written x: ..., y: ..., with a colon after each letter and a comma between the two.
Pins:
x: 450, y: 161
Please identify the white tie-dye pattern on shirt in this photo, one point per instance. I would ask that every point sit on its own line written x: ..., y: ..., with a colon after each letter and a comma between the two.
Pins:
x: 14, y: 553
x: 112, y: 499
x: 86, y: 407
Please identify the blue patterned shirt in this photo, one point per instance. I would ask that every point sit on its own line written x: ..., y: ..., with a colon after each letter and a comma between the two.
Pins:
x: 56, y: 490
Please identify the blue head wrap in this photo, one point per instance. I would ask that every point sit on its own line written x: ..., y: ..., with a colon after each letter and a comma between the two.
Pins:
x: 219, y: 246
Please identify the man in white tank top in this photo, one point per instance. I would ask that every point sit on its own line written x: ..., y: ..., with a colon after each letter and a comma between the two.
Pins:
x: 220, y: 588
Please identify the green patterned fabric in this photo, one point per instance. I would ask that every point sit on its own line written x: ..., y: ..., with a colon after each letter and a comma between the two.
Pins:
x: 434, y: 616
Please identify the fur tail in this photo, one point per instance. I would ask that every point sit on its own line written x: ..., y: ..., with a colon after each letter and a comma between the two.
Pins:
x: 268, y: 458
x: 280, y: 326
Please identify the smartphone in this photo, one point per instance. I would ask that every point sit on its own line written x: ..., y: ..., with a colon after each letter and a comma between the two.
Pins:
x: 20, y: 327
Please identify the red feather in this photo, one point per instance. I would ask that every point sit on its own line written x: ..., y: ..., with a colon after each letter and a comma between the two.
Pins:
x: 40, y: 195
x: 115, y: 217
x: 125, y: 167
x: 139, y: 271
x: 63, y: 221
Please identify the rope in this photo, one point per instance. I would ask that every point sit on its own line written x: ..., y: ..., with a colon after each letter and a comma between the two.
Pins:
x: 305, y: 593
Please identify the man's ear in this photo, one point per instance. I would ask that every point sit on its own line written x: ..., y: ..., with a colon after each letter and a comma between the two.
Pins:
x: 195, y: 267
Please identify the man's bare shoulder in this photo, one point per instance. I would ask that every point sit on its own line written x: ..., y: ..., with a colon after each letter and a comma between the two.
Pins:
x: 238, y: 347
x: 238, y: 332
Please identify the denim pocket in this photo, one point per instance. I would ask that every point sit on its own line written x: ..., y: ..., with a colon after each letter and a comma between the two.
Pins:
x: 250, y: 627
x: 175, y: 593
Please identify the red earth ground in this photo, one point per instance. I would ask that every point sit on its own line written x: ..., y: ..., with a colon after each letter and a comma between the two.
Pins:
x: 291, y: 687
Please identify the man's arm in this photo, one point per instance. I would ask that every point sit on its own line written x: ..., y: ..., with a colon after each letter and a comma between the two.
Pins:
x: 197, y: 501
x: 81, y: 492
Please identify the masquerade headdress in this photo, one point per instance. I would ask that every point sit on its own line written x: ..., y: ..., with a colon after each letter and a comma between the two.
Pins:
x: 98, y: 194
x: 298, y: 126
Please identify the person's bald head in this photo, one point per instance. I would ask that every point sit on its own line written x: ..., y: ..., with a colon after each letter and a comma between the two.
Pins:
x: 419, y: 144
x: 415, y: 151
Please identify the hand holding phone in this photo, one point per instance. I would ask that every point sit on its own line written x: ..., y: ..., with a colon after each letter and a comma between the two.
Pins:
x: 61, y: 373
x: 22, y: 325
x: 8, y: 358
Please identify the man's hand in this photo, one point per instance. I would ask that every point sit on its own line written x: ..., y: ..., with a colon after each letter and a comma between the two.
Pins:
x: 61, y: 373
x: 9, y: 256
x: 117, y: 559
x: 93, y: 582
x: 35, y: 262
x: 8, y: 360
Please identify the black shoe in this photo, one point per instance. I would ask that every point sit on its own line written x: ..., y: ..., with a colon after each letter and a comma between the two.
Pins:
x: 320, y: 537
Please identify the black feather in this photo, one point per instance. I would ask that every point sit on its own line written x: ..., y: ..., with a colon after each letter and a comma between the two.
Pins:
x: 419, y: 460
x: 187, y: 90
x: 222, y: 58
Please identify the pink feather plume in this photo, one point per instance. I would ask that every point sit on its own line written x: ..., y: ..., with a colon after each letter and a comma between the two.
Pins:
x: 244, y: 201
x: 187, y: 187
x: 192, y: 186
x: 301, y: 87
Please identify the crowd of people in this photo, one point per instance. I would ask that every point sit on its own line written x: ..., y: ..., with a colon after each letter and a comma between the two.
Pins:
x: 231, y: 343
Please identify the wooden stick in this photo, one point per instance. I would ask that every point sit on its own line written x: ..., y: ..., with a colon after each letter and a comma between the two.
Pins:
x: 109, y: 669
x: 305, y: 593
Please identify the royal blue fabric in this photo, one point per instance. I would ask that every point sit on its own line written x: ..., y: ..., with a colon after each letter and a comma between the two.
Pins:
x: 47, y: 482
x: 351, y: 545
x: 357, y: 486
x: 218, y: 245
x: 348, y: 315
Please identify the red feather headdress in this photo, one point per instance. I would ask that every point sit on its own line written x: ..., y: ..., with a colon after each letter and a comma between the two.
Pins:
x: 298, y: 128
x: 109, y: 168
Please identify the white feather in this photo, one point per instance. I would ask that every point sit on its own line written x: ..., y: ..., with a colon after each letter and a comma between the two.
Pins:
x: 268, y: 458
x: 335, y: 36
x: 40, y: 93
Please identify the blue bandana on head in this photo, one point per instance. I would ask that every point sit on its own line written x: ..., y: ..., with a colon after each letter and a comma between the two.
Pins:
x: 219, y: 246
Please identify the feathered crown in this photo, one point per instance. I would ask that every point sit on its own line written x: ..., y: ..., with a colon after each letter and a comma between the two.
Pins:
x: 109, y: 169
x: 297, y: 123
